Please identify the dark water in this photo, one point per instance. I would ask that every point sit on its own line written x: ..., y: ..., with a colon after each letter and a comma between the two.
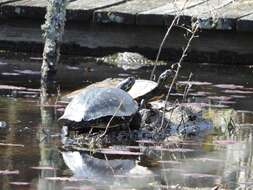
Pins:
x: 221, y: 157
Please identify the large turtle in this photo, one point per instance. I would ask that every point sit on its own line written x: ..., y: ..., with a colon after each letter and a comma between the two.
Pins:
x: 141, y: 89
x: 95, y: 105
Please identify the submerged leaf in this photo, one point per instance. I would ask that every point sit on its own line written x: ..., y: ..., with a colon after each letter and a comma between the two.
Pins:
x: 8, y: 172
x: 200, y: 175
x: 28, y: 72
x: 229, y: 86
x: 225, y: 142
x: 18, y: 183
x: 224, y: 98
x: 10, y: 144
x: 119, y: 152
x: 11, y: 87
x: 19, y: 88
x: 64, y: 179
x: 10, y: 74
x: 169, y: 162
x: 238, y: 91
x: 146, y: 141
x: 197, y: 83
x: 174, y: 150
x: 3, y: 63
x: 43, y: 168
x: 79, y: 188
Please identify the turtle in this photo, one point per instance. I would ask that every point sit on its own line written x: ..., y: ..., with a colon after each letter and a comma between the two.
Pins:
x: 109, y: 82
x: 148, y: 89
x: 141, y: 89
x: 128, y: 60
x: 96, y: 105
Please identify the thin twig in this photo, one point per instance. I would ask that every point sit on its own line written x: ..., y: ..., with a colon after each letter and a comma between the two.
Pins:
x: 109, y: 165
x: 109, y: 123
x: 58, y: 95
x: 187, y: 88
x: 161, y: 46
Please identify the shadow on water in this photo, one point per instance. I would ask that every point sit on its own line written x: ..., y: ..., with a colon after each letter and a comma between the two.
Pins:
x: 29, y: 134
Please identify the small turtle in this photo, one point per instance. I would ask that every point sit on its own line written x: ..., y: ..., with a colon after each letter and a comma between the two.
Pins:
x: 94, y: 105
x: 141, y: 89
x: 148, y: 89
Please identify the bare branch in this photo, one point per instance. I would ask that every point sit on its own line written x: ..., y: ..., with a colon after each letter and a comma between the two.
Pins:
x: 176, y: 18
x: 161, y: 46
x: 194, y: 30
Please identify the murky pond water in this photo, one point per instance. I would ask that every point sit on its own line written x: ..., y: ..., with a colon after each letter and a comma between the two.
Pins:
x: 32, y: 159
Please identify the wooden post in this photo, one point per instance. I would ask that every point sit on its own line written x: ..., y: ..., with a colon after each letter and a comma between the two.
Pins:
x: 53, y: 32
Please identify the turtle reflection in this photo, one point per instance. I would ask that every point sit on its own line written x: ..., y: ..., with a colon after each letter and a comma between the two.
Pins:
x: 113, y: 172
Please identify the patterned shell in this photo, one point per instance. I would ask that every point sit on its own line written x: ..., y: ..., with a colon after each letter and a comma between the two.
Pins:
x: 94, y: 103
x: 140, y: 88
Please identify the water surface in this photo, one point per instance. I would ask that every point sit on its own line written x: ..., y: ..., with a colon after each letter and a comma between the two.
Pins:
x: 222, y: 157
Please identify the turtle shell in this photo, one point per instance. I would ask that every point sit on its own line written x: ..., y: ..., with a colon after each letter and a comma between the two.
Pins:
x: 140, y: 88
x: 107, y: 83
x: 94, y: 103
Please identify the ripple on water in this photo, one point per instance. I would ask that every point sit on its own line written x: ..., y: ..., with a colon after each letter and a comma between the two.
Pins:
x: 190, y: 163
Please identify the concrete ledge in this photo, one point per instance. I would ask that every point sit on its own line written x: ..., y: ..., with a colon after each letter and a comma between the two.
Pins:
x: 213, y: 14
x: 91, y: 39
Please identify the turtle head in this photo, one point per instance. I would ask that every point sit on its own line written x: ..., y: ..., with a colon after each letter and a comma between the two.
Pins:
x: 126, y: 84
x: 163, y: 78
